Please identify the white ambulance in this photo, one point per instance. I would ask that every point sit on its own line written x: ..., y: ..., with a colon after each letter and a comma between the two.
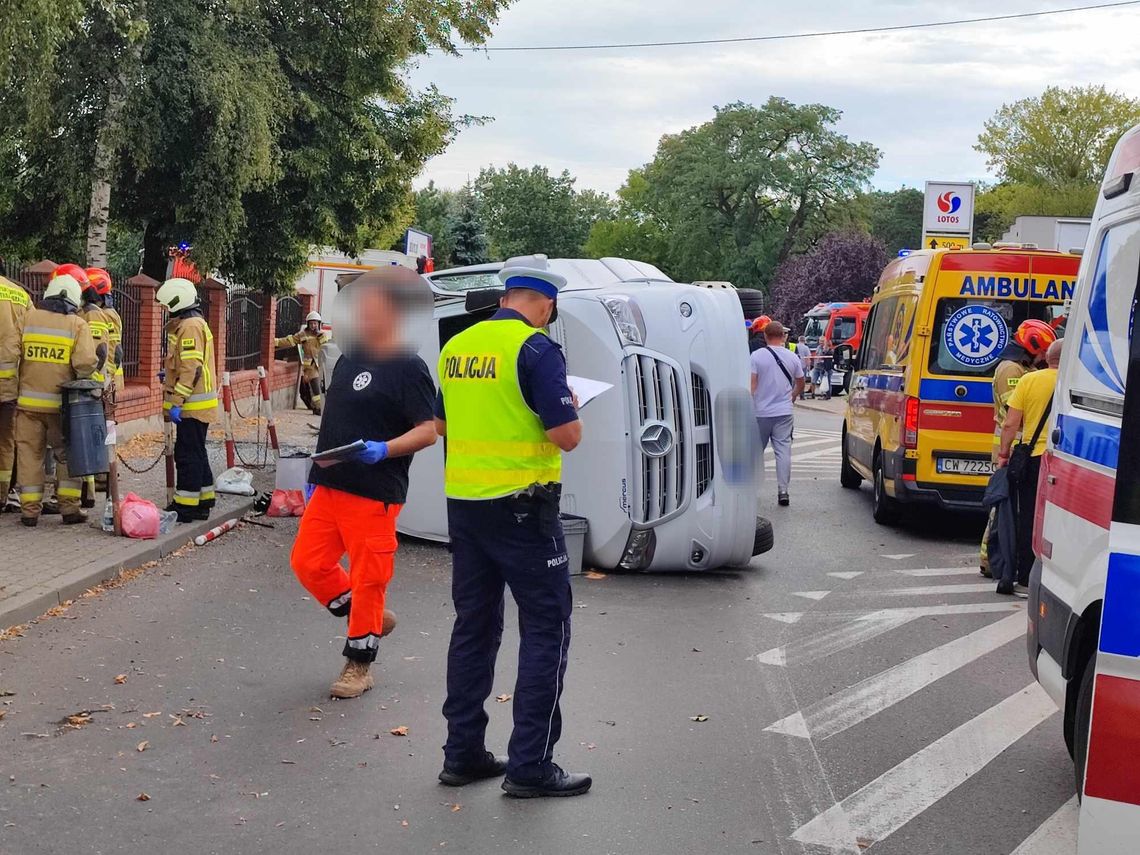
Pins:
x: 1078, y: 475
x: 662, y: 473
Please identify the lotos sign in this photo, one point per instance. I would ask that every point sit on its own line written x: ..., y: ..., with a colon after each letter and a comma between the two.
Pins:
x: 949, y: 209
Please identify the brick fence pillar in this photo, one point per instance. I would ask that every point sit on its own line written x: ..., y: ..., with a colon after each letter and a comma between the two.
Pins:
x: 268, y: 329
x: 151, y: 322
x: 216, y: 318
x: 308, y: 303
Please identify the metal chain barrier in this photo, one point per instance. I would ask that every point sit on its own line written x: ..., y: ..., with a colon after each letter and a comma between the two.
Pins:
x: 127, y: 463
x: 261, y: 443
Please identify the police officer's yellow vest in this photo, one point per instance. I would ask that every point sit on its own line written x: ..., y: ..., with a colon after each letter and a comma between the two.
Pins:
x: 496, y: 445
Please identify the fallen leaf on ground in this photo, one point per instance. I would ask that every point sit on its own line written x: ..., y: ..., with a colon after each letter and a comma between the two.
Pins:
x: 404, y: 823
x: 3, y: 713
x: 143, y: 746
x: 142, y: 797
x: 178, y: 722
x: 120, y: 679
x: 502, y: 699
x: 456, y: 808
x: 402, y: 730
x: 152, y: 714
x: 79, y: 719
x: 698, y: 718
x: 594, y: 574
x: 213, y: 737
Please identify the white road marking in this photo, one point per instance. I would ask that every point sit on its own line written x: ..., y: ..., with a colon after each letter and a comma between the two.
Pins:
x: 899, y: 795
x: 863, y: 626
x: 929, y: 590
x: 1057, y: 835
x: 899, y: 557
x: 806, y: 443
x: 847, y: 576
x: 786, y: 617
x: 855, y: 704
x: 811, y: 595
x: 941, y: 571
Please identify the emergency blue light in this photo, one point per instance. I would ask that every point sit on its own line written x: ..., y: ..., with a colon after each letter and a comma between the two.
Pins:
x: 903, y: 253
x: 185, y: 247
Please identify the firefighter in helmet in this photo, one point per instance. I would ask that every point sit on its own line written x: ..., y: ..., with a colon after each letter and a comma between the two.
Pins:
x: 310, y: 340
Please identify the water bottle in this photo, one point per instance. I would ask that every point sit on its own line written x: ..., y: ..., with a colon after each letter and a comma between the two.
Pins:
x: 109, y: 517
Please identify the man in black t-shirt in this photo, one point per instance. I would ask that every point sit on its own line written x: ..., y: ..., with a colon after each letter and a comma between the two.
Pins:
x: 384, y: 396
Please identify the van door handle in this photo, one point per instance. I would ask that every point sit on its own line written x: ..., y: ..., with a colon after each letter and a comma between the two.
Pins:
x: 1056, y: 436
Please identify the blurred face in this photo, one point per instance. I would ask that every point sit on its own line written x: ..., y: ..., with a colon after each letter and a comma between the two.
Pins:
x: 380, y: 324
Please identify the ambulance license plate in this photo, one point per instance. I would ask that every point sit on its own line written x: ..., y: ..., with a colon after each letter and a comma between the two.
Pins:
x: 964, y: 466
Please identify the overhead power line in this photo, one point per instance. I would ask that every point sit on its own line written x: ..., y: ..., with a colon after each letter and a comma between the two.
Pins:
x: 987, y: 19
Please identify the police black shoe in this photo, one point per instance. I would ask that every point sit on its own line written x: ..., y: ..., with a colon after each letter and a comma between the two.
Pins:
x: 30, y: 522
x: 783, y: 499
x: 489, y: 766
x: 558, y: 784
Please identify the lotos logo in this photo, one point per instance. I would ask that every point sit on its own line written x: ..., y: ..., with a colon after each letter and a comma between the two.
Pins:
x: 949, y: 202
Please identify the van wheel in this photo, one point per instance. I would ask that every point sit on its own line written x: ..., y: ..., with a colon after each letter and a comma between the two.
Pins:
x: 848, y: 477
x: 765, y: 538
x: 885, y: 509
x: 1081, y: 728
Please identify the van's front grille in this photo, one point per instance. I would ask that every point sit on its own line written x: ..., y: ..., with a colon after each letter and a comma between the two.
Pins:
x: 658, y: 437
x: 702, y: 418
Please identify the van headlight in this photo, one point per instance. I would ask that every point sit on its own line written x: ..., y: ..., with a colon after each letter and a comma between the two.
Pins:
x: 627, y: 319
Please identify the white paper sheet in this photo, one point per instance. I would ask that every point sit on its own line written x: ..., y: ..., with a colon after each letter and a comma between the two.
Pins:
x: 587, y: 389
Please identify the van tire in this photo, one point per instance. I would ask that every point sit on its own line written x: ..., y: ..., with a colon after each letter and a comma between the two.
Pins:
x: 884, y: 509
x: 765, y: 537
x: 751, y: 302
x: 1081, y: 725
x: 849, y: 479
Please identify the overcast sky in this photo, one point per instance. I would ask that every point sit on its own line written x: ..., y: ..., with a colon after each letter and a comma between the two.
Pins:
x: 920, y: 96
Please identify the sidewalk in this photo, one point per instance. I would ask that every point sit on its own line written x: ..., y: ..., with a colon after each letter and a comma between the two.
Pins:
x: 50, y: 564
x: 834, y: 406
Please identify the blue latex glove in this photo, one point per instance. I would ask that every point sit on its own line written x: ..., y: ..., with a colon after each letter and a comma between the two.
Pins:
x: 373, y: 452
x: 176, y: 414
x: 309, y: 490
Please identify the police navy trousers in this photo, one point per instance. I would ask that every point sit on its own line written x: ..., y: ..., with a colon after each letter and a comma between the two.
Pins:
x: 492, y: 548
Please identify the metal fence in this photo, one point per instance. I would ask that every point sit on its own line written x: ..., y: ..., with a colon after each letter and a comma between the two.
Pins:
x: 128, y: 303
x: 244, y: 310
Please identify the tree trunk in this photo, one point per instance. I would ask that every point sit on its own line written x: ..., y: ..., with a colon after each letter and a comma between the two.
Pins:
x: 104, y: 162
x: 155, y: 260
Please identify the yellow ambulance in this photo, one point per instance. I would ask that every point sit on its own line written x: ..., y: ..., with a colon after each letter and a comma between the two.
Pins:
x: 919, y: 423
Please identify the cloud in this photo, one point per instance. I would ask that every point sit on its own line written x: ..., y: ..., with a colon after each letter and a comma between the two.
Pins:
x: 920, y: 96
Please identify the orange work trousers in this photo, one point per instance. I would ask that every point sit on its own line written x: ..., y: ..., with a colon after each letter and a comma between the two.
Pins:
x: 334, y: 523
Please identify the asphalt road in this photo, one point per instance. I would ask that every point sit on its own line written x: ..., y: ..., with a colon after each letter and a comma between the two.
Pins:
x: 851, y: 705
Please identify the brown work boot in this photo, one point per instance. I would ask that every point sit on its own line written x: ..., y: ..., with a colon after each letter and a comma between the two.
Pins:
x: 353, y: 681
x: 390, y: 621
x: 30, y: 522
x: 77, y: 518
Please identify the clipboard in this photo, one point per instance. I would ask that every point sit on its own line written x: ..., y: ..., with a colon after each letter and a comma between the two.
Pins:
x: 333, y: 456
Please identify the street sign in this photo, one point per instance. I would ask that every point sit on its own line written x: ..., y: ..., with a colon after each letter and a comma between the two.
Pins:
x: 949, y: 209
x: 936, y: 241
x: 417, y: 243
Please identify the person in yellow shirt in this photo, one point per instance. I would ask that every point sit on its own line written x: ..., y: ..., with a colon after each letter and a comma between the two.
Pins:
x: 1028, y: 413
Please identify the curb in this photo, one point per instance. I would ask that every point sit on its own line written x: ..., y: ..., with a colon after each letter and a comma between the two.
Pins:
x: 32, y: 604
x: 810, y: 404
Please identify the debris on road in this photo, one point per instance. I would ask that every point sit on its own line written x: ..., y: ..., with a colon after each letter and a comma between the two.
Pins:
x: 698, y: 718
x: 402, y: 730
x: 142, y: 797
x: 502, y: 699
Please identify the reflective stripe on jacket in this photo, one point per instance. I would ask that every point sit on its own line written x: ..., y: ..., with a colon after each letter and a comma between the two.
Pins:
x: 56, y: 349
x: 496, y: 445
x: 14, y: 307
x: 190, y: 368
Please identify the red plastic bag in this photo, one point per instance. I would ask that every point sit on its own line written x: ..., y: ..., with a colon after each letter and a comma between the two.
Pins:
x: 286, y: 503
x: 139, y: 517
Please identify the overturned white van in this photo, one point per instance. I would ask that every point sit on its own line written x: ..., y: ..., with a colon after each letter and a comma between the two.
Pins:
x: 663, y: 474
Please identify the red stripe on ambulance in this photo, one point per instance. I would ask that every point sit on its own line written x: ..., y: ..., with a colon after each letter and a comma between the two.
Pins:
x: 1112, y: 772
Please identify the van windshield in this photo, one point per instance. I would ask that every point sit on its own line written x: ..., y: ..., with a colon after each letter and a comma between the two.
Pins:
x: 970, y: 335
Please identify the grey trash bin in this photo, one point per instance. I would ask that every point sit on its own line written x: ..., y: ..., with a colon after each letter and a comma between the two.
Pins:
x: 574, y: 530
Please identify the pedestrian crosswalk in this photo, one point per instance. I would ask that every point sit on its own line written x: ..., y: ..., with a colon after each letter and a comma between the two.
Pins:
x: 861, y: 611
x: 815, y: 455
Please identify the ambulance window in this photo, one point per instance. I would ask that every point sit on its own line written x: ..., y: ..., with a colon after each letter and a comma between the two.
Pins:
x: 970, y: 334
x: 875, y: 343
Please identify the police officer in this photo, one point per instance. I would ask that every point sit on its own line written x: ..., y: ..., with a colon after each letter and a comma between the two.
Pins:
x: 57, y: 348
x: 14, y: 305
x: 311, y: 339
x: 189, y: 397
x: 101, y: 281
x: 508, y: 414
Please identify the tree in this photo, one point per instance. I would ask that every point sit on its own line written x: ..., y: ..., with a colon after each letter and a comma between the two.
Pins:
x: 435, y: 214
x: 631, y: 231
x: 252, y: 131
x: 842, y: 266
x: 1062, y: 137
x: 735, y: 195
x: 530, y: 210
x: 466, y: 230
x: 997, y: 207
x: 894, y: 217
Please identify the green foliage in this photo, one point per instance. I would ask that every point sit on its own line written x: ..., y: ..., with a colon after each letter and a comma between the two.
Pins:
x: 1062, y: 137
x: 435, y: 212
x: 734, y: 197
x: 252, y: 130
x: 467, y: 232
x: 895, y: 217
x: 529, y: 210
x: 997, y: 207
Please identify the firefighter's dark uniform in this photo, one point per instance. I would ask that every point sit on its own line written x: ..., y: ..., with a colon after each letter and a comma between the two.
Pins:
x: 190, y: 385
x: 115, y: 352
x: 310, y: 344
x: 14, y: 307
x: 57, y: 348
